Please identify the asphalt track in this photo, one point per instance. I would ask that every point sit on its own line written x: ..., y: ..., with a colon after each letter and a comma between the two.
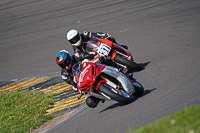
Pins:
x: 163, y: 35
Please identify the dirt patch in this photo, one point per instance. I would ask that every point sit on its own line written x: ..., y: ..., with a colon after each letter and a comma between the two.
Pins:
x: 50, y: 123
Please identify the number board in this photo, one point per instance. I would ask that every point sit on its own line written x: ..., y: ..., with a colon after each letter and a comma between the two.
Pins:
x: 103, y: 50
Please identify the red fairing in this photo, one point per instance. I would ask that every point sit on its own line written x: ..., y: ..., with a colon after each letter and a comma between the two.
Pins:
x: 87, y: 75
x: 115, y: 46
x: 99, y: 68
x: 122, y: 50
x: 106, y: 41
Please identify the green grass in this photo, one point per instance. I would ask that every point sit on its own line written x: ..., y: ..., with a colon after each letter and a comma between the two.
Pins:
x: 184, y: 121
x: 23, y: 111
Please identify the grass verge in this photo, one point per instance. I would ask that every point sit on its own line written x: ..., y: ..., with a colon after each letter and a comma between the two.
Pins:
x: 23, y: 111
x: 184, y: 121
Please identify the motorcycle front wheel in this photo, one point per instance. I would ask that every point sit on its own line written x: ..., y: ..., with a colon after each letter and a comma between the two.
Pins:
x: 124, y: 61
x: 139, y: 89
x: 115, y: 94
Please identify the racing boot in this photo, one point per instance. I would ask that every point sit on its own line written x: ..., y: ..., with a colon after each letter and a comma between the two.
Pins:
x: 92, y: 101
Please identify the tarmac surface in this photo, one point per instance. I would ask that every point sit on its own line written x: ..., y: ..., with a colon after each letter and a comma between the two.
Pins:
x: 164, y: 36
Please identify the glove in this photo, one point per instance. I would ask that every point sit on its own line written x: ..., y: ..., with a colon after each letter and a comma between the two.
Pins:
x: 87, y: 34
x: 108, y: 35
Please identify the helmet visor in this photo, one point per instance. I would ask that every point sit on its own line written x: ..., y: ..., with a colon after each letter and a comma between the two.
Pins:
x: 75, y: 39
x: 64, y: 64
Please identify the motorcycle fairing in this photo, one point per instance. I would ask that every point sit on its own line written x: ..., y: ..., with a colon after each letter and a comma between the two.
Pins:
x: 122, y: 50
x: 126, y: 83
x: 86, y: 75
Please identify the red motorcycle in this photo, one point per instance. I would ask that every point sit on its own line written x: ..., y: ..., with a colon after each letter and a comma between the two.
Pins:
x: 107, y: 48
x: 105, y: 82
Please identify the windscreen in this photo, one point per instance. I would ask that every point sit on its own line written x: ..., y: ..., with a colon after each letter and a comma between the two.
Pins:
x: 76, y: 69
x: 92, y: 44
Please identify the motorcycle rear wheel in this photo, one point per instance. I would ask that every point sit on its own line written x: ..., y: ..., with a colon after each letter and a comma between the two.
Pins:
x: 120, y: 59
x: 115, y: 94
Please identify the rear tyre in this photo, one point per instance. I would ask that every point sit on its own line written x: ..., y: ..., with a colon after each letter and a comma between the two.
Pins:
x: 115, y: 94
x: 120, y: 59
x: 139, y: 89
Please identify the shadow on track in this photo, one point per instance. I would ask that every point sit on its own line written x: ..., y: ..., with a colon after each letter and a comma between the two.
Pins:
x: 143, y: 65
x: 146, y: 92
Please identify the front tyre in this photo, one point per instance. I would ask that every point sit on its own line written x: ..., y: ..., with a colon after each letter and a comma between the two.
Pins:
x: 115, y: 94
x: 139, y: 89
x: 120, y: 59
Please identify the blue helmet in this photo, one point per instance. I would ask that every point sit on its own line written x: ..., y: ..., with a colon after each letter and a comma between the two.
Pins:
x: 64, y: 59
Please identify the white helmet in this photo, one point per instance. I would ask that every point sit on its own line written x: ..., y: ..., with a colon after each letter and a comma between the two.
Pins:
x: 74, y: 37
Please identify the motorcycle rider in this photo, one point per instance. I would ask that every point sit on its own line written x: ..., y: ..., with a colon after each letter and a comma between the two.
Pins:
x: 79, y: 41
x: 66, y: 61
